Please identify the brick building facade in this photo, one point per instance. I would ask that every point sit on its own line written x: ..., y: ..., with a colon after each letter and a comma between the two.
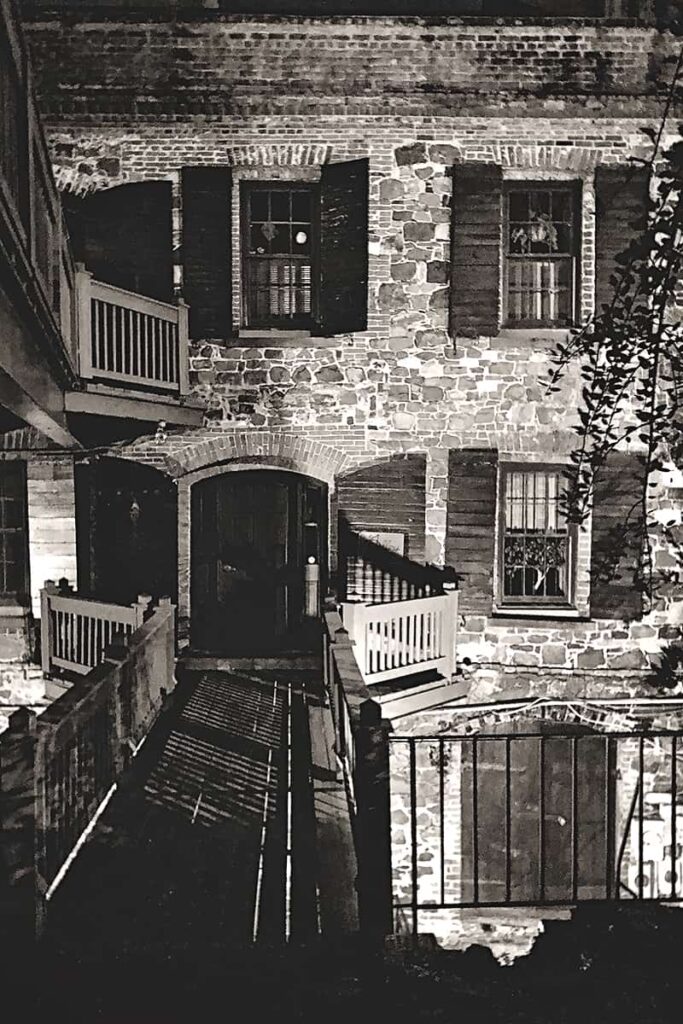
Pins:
x: 405, y: 366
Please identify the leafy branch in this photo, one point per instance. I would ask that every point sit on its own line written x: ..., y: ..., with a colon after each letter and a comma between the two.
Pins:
x: 630, y: 353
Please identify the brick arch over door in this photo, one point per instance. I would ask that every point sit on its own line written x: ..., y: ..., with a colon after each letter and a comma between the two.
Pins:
x: 182, y: 454
x: 189, y: 458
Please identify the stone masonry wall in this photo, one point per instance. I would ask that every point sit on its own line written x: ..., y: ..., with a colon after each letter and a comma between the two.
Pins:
x: 278, y: 98
x: 52, y: 524
x: 405, y: 384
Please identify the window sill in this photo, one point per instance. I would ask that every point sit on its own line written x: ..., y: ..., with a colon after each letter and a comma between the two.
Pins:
x: 542, y: 336
x: 536, y: 614
x: 11, y: 608
x: 282, y: 339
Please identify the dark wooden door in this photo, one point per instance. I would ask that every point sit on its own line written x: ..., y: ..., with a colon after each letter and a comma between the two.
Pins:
x: 127, y: 531
x: 251, y: 534
x: 542, y: 807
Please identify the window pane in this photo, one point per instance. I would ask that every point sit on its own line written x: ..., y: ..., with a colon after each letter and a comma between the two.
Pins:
x: 12, y: 528
x: 301, y: 238
x: 259, y: 206
x: 518, y: 206
x: 301, y: 206
x: 279, y: 205
x: 540, y: 290
x: 535, y: 538
x: 280, y: 240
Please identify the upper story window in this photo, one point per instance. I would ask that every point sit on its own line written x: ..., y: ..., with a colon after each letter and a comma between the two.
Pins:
x: 536, y: 565
x: 13, y: 549
x: 541, y: 240
x: 278, y: 253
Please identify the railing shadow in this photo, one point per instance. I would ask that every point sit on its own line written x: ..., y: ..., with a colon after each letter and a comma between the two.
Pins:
x: 374, y: 574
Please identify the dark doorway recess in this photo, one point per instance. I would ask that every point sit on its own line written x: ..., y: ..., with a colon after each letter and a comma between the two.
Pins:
x: 124, y: 236
x: 127, y: 537
x: 252, y: 533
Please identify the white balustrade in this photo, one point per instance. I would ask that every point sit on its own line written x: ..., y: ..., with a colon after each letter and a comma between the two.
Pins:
x: 76, y: 631
x: 126, y: 338
x: 405, y: 637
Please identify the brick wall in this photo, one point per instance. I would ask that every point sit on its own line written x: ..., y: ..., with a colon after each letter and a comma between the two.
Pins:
x: 544, y: 102
x: 52, y: 524
x: 237, y: 65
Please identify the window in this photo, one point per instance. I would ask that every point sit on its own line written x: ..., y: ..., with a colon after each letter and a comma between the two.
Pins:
x: 540, y: 255
x: 535, y: 539
x: 13, y: 575
x: 278, y: 253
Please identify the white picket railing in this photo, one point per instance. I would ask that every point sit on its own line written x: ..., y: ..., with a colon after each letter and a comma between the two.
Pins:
x: 75, y: 631
x: 404, y: 637
x: 126, y: 338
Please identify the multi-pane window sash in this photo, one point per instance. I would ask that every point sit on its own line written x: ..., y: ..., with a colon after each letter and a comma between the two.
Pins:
x: 278, y: 249
x: 12, y: 529
x: 541, y: 247
x: 535, y: 539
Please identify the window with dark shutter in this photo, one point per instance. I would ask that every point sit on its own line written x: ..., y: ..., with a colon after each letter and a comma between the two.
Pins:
x: 620, y: 216
x: 207, y: 250
x: 617, y: 538
x: 13, y: 531
x: 124, y: 235
x: 278, y: 254
x: 471, y: 524
x: 476, y: 250
x: 343, y: 285
x: 541, y: 249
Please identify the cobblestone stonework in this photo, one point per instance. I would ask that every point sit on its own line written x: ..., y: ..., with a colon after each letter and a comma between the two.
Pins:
x: 552, y: 101
x: 278, y: 99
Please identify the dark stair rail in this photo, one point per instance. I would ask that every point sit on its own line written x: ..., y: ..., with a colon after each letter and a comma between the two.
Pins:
x: 373, y: 574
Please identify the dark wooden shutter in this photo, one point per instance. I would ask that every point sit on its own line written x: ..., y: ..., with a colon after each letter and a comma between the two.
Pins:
x: 620, y: 216
x: 617, y: 538
x: 124, y: 235
x: 207, y: 250
x: 476, y: 248
x: 343, y: 285
x: 575, y: 796
x: 386, y: 497
x: 471, y: 524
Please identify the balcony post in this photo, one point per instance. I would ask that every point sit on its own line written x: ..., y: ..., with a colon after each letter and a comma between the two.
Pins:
x: 84, y: 321
x: 354, y: 617
x: 141, y: 605
x: 46, y: 640
x: 183, y: 347
x: 451, y: 629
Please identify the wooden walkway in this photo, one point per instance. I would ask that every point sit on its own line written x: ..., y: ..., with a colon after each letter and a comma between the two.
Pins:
x: 210, y: 843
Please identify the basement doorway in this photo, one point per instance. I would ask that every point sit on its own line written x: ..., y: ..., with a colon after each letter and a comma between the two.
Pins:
x: 252, y: 534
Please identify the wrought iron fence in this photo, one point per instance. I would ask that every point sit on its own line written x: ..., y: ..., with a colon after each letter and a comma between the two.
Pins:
x: 547, y: 816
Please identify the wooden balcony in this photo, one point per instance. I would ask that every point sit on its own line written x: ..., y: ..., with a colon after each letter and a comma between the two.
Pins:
x: 132, y: 355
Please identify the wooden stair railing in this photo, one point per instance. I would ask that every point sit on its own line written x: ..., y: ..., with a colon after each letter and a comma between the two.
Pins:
x: 404, y: 638
x: 75, y: 631
x: 126, y: 338
x: 373, y: 574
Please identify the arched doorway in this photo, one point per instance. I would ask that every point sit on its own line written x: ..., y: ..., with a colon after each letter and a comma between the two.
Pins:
x: 127, y: 531
x: 252, y: 532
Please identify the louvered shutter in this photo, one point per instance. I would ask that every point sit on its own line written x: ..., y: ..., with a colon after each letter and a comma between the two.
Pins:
x: 124, y: 235
x: 471, y: 524
x: 620, y: 217
x: 616, y: 539
x: 386, y: 497
x: 476, y: 250
x: 207, y: 250
x: 343, y: 261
